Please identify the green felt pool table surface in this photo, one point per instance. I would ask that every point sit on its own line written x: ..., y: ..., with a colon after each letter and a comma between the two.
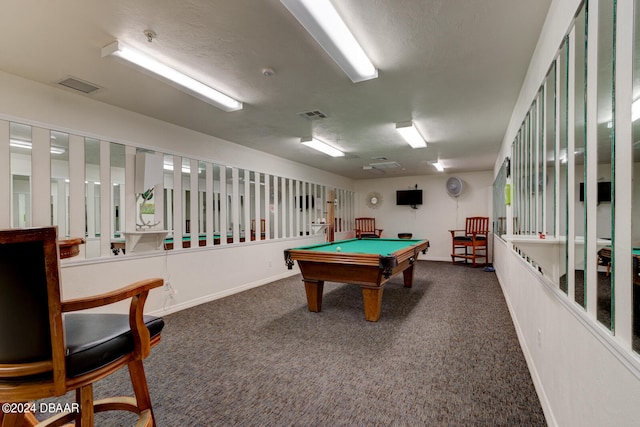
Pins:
x: 382, y: 247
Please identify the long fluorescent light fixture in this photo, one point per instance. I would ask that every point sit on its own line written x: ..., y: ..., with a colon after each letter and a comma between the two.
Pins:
x: 322, y: 21
x: 54, y: 149
x: 411, y: 134
x: 635, y: 110
x: 316, y: 144
x: 438, y: 166
x: 175, y: 78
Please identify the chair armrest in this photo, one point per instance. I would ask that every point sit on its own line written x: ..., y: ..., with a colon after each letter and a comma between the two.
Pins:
x: 138, y: 292
x: 129, y: 291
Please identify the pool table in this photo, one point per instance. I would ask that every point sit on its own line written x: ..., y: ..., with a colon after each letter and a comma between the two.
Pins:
x: 369, y: 263
x: 604, y: 258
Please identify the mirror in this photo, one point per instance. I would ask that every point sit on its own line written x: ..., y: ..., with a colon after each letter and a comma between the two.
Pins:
x: 216, y: 205
x: 117, y: 157
x: 92, y: 196
x: 563, y: 77
x: 605, y: 136
x: 579, y: 124
x: 168, y: 193
x: 60, y: 182
x: 202, y: 203
x: 186, y: 202
x: 550, y: 150
x: 20, y: 149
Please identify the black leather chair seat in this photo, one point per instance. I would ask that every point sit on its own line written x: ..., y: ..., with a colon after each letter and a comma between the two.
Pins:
x: 94, y: 340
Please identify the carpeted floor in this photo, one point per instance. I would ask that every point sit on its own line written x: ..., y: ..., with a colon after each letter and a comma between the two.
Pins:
x: 444, y: 353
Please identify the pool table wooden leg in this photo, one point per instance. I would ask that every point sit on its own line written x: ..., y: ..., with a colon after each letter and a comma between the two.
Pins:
x: 314, y: 294
x: 408, y: 276
x: 372, y: 303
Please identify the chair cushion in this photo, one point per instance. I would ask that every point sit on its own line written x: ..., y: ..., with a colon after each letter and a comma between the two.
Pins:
x: 468, y: 238
x: 369, y: 235
x: 97, y: 339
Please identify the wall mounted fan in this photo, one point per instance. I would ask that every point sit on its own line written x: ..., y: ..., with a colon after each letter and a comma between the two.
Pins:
x: 454, y: 186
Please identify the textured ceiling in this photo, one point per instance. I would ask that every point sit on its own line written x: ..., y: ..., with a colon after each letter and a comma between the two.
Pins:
x: 454, y: 67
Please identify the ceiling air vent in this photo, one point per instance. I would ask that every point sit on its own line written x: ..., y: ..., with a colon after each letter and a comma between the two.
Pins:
x: 313, y: 115
x: 79, y: 85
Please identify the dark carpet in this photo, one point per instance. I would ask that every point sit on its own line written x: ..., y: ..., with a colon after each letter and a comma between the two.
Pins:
x: 444, y: 353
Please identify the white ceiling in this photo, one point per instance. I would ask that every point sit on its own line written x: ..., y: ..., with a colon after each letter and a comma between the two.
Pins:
x: 454, y: 67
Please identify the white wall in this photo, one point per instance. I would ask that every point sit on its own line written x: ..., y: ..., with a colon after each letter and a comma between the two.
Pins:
x: 585, y: 375
x: 198, y: 274
x: 438, y: 213
x: 582, y: 376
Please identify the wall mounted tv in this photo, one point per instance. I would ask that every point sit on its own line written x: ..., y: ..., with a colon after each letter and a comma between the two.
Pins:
x: 409, y: 197
x: 604, y: 192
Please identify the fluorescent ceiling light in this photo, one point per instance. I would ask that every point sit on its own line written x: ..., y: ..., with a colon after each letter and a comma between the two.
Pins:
x: 27, y: 145
x: 173, y: 77
x: 635, y: 110
x: 321, y: 146
x: 322, y: 21
x: 438, y: 166
x: 411, y: 134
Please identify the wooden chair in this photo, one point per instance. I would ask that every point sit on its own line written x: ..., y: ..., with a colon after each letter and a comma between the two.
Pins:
x: 366, y: 227
x: 263, y: 229
x: 472, y: 242
x: 46, y: 351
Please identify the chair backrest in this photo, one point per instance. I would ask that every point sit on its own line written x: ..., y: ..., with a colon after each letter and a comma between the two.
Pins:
x: 365, y: 224
x: 477, y: 224
x: 30, y: 307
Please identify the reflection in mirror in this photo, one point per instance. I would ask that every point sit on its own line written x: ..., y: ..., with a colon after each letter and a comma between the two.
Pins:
x: 579, y: 124
x: 92, y: 196
x: 550, y: 150
x: 273, y: 212
x: 231, y: 203
x: 261, y: 223
x: 243, y: 183
x: 20, y: 149
x: 230, y: 207
x: 635, y: 214
x: 499, y: 207
x: 186, y: 200
x: 605, y: 136
x: 60, y: 182
x: 117, y: 162
x: 539, y: 183
x: 168, y: 213
x: 202, y: 203
x: 254, y: 193
x: 563, y: 74
x: 216, y: 205
x: 287, y: 218
x: 563, y: 98
x: 515, y: 158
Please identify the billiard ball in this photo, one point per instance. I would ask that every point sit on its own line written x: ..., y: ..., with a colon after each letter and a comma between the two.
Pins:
x: 338, y: 249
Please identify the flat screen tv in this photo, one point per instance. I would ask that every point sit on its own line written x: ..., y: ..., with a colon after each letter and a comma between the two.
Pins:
x: 409, y: 197
x: 604, y: 192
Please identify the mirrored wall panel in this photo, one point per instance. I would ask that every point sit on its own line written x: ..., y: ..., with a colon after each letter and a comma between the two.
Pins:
x: 20, y: 149
x: 579, y: 156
